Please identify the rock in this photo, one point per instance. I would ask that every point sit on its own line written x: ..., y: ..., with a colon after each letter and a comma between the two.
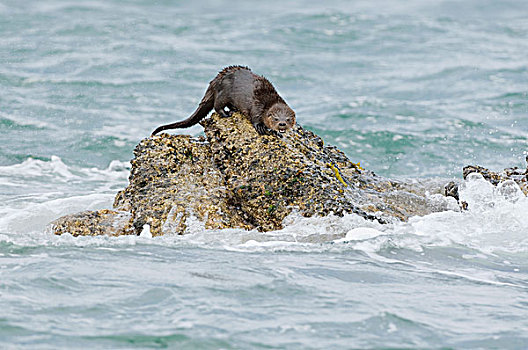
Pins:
x: 235, y: 178
x: 94, y: 223
x: 519, y: 176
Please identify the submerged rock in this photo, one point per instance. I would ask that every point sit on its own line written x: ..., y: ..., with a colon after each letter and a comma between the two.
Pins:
x: 236, y: 178
x: 519, y: 176
x: 95, y: 223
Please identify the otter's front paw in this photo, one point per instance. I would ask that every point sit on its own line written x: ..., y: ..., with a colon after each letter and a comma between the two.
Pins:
x: 275, y: 133
x: 264, y: 130
x: 261, y: 129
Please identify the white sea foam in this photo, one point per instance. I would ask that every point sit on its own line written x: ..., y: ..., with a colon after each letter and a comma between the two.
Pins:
x: 33, y: 192
x: 362, y: 233
x: 56, y: 171
x: 34, y: 217
x: 36, y: 167
x: 494, y: 222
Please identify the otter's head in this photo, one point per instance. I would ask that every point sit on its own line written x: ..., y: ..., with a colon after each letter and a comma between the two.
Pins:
x: 279, y: 117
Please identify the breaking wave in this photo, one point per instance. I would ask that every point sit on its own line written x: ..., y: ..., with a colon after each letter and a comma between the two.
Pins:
x: 494, y: 222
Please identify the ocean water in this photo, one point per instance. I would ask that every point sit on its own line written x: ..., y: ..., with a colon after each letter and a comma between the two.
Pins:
x: 411, y: 90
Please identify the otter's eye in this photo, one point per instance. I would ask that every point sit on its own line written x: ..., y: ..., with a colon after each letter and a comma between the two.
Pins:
x: 276, y: 119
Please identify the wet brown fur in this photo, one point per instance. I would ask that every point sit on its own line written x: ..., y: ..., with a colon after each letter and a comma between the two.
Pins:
x: 239, y: 89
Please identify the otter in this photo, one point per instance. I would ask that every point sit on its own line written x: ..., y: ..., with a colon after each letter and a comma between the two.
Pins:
x: 238, y: 89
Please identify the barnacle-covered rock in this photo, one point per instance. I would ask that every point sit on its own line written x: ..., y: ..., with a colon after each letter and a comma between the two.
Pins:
x: 94, y: 223
x: 236, y: 178
x: 519, y: 176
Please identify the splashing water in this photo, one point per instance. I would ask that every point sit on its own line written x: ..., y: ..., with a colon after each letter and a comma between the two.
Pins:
x: 415, y: 90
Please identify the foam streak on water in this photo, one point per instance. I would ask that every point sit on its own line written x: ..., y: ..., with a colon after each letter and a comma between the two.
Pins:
x: 413, y: 90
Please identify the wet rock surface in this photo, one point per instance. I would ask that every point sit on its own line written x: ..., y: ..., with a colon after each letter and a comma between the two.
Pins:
x: 515, y: 174
x: 95, y: 223
x: 235, y: 178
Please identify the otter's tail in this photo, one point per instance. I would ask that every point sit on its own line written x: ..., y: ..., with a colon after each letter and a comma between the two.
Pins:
x: 205, y: 106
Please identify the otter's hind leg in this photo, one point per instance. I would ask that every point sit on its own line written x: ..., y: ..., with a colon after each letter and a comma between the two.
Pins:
x: 220, y: 103
x: 232, y: 109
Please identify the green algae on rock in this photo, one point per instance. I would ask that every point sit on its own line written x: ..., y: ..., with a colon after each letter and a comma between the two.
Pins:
x: 235, y: 178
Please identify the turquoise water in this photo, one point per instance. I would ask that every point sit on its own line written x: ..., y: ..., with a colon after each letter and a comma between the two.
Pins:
x: 410, y: 90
